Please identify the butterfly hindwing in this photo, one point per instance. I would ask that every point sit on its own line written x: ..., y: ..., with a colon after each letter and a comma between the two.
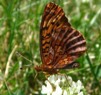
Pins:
x: 73, y: 45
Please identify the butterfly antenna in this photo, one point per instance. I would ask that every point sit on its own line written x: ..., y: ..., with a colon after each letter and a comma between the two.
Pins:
x: 24, y: 58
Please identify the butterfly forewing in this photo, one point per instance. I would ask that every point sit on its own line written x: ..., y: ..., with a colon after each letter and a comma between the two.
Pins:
x: 60, y: 44
x: 53, y: 21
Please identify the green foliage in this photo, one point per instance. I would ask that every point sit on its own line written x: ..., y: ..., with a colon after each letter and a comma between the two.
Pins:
x: 19, y: 32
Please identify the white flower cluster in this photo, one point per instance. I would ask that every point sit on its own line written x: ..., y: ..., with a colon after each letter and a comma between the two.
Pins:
x: 62, y: 85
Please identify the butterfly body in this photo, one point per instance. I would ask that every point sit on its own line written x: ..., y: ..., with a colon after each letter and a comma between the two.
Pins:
x: 60, y: 44
x: 47, y: 69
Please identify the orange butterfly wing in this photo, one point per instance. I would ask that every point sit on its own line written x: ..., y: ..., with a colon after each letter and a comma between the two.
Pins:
x: 60, y: 44
x: 52, y: 17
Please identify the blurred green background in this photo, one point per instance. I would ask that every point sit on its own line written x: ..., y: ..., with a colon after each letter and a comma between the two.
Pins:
x: 19, y: 32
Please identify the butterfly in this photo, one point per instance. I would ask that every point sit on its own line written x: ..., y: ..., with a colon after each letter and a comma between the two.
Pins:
x: 60, y: 44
